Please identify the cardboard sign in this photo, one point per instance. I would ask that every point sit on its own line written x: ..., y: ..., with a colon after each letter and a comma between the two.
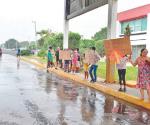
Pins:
x: 90, y: 57
x: 87, y: 56
x: 121, y: 45
x: 64, y: 55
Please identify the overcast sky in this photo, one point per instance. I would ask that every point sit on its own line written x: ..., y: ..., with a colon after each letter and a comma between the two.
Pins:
x: 16, y: 18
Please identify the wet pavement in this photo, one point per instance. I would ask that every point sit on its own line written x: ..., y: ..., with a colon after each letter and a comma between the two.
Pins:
x: 30, y: 96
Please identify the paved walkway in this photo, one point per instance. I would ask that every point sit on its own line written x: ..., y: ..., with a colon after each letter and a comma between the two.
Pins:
x: 132, y: 94
x: 115, y: 86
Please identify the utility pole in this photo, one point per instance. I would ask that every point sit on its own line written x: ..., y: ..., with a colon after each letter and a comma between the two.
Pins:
x: 34, y: 22
x: 16, y: 45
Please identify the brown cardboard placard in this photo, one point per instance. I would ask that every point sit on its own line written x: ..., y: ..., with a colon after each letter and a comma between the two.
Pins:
x: 65, y: 55
x: 119, y: 45
x: 90, y: 56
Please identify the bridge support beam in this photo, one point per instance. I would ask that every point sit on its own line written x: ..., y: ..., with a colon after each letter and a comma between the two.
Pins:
x: 111, y: 33
x: 66, y: 28
x: 66, y: 33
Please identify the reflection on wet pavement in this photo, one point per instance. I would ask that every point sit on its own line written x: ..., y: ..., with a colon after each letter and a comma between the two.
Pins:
x: 33, y: 97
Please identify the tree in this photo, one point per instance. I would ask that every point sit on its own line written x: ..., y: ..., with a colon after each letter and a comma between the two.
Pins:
x: 43, y: 34
x: 59, y: 40
x: 100, y: 47
x: 74, y: 40
x: 99, y: 43
x: 127, y: 31
x: 100, y: 35
x: 55, y: 40
x: 49, y: 38
x: 24, y: 44
x: 85, y: 44
x: 41, y: 42
x: 32, y: 45
x: 11, y: 44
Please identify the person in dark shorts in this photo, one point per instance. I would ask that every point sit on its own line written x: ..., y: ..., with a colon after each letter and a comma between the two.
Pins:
x: 18, y: 52
x: 57, y: 57
x: 66, y: 65
x: 121, y: 66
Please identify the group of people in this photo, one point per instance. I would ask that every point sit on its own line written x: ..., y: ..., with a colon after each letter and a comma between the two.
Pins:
x: 74, y: 63
x: 143, y: 78
x: 76, y: 60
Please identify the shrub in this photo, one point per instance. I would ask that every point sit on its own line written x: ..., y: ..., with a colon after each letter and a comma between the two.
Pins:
x: 25, y: 52
x: 42, y: 53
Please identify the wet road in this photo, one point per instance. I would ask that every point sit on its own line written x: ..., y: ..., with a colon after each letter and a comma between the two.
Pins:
x: 30, y: 96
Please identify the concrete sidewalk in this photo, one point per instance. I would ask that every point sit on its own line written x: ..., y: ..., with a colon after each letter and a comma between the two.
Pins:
x: 130, y: 90
x: 131, y: 95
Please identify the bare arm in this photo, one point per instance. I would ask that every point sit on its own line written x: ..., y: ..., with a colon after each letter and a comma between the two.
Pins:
x: 134, y: 63
x: 148, y: 59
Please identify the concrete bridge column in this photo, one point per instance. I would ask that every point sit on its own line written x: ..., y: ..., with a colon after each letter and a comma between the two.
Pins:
x: 66, y: 32
x: 111, y: 33
x: 66, y: 28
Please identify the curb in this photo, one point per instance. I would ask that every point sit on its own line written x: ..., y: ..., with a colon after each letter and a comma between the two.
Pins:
x: 34, y: 63
x: 109, y: 91
x: 131, y: 85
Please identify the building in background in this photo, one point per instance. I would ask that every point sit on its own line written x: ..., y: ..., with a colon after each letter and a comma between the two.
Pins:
x: 139, y: 22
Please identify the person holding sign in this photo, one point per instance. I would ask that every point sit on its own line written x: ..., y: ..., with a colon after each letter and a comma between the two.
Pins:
x: 94, y: 60
x: 121, y: 66
x: 143, y: 79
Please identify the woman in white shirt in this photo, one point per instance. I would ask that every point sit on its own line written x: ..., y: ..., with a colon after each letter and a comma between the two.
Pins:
x: 121, y: 66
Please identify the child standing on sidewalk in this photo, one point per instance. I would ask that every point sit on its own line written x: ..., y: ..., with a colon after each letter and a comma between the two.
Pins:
x: 85, y: 67
x: 121, y: 66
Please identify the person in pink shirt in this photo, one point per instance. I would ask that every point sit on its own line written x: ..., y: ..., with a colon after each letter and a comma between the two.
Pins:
x: 74, y: 60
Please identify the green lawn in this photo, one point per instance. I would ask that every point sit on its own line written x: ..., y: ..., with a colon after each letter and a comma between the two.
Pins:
x: 131, y: 73
x: 42, y: 60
